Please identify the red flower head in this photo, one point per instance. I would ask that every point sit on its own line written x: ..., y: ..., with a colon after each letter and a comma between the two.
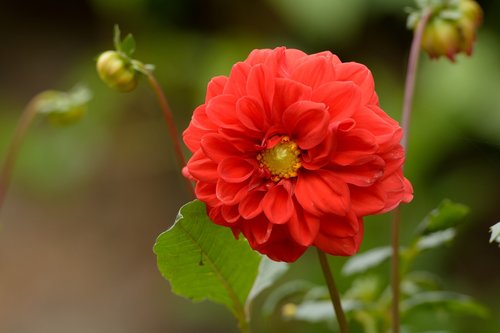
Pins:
x: 292, y: 150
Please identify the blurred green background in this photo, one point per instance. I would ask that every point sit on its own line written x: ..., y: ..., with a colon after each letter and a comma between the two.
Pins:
x: 87, y: 201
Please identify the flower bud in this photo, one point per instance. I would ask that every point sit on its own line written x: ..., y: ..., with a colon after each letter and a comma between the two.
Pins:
x: 451, y: 28
x: 440, y: 37
x: 471, y: 19
x: 116, y: 71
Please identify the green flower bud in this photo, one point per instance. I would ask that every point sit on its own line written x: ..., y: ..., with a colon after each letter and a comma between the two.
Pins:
x: 451, y: 28
x: 471, y: 19
x: 471, y: 11
x: 441, y: 37
x: 116, y: 71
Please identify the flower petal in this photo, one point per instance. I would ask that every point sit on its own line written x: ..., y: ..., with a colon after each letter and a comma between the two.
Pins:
x: 230, y: 214
x: 260, y: 86
x: 230, y: 193
x: 251, y: 205
x: 235, y: 169
x: 307, y: 123
x: 251, y: 114
x: 206, y: 193
x: 221, y: 110
x: 237, y: 81
x: 339, y: 246
x: 199, y: 126
x: 278, y: 205
x: 360, y: 75
x: 320, y: 155
x: 314, y: 71
x: 257, y: 230
x: 215, y: 87
x: 354, y: 147
x: 362, y: 175
x: 321, y: 192
x: 303, y: 226
x: 342, y: 98
x: 367, y: 200
x: 397, y: 189
x: 280, y: 246
x: 217, y: 148
x: 288, y: 92
x: 202, y: 168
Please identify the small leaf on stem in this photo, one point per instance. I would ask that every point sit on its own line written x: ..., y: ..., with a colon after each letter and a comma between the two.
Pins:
x: 448, y: 214
x: 128, y: 45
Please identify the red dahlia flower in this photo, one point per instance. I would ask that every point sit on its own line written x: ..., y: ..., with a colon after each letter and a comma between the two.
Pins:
x: 292, y: 150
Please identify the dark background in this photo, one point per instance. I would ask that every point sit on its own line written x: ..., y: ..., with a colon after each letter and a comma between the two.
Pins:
x: 88, y: 201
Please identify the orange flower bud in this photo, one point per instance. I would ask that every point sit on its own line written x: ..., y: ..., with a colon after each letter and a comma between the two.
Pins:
x: 116, y: 71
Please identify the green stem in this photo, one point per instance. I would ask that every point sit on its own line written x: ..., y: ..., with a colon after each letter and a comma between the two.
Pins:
x: 169, y: 119
x: 334, y: 294
x: 411, y: 75
x: 243, y: 325
x: 23, y: 125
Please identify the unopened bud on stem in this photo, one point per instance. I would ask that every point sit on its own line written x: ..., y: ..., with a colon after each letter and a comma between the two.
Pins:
x: 117, y: 71
x: 451, y: 28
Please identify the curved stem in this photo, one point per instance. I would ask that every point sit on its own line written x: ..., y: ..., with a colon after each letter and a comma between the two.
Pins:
x: 23, y: 125
x: 169, y: 119
x: 411, y: 75
x: 334, y: 294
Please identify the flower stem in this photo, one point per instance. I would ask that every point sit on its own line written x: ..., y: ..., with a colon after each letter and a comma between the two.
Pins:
x: 411, y: 75
x: 334, y: 294
x: 244, y: 325
x: 23, y: 125
x: 169, y: 119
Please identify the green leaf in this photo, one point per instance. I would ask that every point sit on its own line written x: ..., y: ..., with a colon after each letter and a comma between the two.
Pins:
x: 321, y: 310
x: 448, y: 214
x: 269, y: 272
x: 286, y: 292
x: 366, y: 260
x: 495, y: 233
x: 435, y: 239
x: 203, y: 261
x: 128, y: 45
x: 365, y: 288
x: 451, y: 301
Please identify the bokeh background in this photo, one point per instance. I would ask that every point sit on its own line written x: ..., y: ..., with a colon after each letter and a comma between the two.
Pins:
x: 88, y: 201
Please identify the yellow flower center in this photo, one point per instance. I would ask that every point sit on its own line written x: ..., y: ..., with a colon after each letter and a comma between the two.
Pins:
x: 282, y: 161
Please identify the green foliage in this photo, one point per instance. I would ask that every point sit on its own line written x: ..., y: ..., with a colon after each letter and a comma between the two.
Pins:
x: 435, y: 239
x: 453, y: 302
x: 269, y: 272
x: 366, y: 260
x: 203, y: 261
x: 447, y: 215
x: 367, y: 302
